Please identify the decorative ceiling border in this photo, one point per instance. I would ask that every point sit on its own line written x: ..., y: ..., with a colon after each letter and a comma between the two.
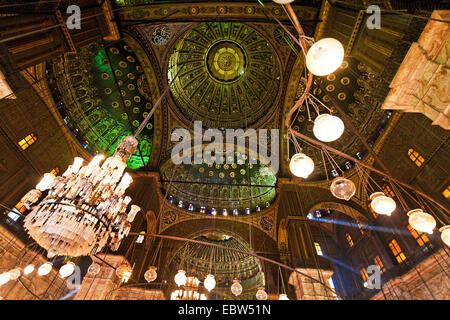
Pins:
x: 266, y: 220
x: 212, y: 10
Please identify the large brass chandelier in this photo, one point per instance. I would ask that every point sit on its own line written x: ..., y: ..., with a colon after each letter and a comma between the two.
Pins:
x: 85, y: 208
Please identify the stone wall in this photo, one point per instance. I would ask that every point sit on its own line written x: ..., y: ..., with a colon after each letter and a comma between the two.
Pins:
x: 308, y: 289
x: 427, y: 281
x: 14, y: 253
x: 105, y: 285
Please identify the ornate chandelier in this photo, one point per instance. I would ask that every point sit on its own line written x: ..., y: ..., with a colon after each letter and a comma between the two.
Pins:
x: 188, y: 291
x: 85, y: 208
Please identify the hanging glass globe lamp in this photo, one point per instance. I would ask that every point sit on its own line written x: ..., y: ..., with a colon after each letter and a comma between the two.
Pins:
x: 342, y: 188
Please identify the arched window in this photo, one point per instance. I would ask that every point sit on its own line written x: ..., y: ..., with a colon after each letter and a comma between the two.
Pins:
x: 364, y: 274
x: 27, y: 141
x: 318, y: 249
x: 375, y: 215
x: 446, y: 192
x: 388, y: 191
x: 55, y: 171
x: 379, y: 264
x: 349, y: 239
x: 416, y: 157
x: 420, y: 237
x: 397, y: 251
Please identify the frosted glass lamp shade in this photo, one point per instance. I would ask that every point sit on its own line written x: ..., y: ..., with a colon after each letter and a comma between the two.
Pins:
x: 236, y: 288
x: 28, y: 269
x: 210, y: 282
x: 261, y: 294
x: 14, y: 274
x: 382, y: 204
x: 283, y: 296
x: 150, y: 275
x: 328, y: 128
x: 421, y: 221
x: 283, y: 1
x: 445, y: 234
x: 324, y: 56
x: 94, y: 269
x: 301, y: 165
x: 67, y: 269
x: 180, y: 278
x: 342, y: 188
x: 45, y: 269
x: 4, y: 278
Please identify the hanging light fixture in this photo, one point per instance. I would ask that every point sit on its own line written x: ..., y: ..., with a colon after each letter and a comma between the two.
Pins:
x: 328, y: 128
x: 67, y: 269
x: 324, y: 56
x: 382, y: 204
x: 283, y: 296
x: 150, y: 275
x: 180, y: 278
x: 283, y: 1
x: 14, y: 274
x: 301, y: 165
x: 342, y: 188
x: 94, y: 269
x: 189, y: 290
x: 45, y: 269
x: 210, y: 282
x: 236, y: 287
x: 28, y: 269
x: 124, y: 272
x: 445, y: 234
x: 421, y: 221
x: 4, y: 278
x: 261, y: 294
x: 85, y: 208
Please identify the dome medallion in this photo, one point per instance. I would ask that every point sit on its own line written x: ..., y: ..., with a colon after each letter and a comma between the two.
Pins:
x: 230, y: 76
x: 225, y: 61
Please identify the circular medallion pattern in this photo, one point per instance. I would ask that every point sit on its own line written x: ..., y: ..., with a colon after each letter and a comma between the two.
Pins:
x: 229, y: 77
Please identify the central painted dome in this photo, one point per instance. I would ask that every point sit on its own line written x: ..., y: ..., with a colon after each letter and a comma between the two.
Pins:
x: 229, y: 75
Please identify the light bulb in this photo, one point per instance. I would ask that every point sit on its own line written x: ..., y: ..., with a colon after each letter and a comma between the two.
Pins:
x: 14, y: 274
x: 283, y: 296
x: 328, y: 128
x: 77, y: 162
x: 28, y: 269
x: 342, y: 188
x: 445, y: 234
x: 45, y: 269
x: 96, y: 160
x: 126, y: 180
x: 4, y: 278
x: 180, y: 278
x: 236, y: 288
x: 261, y: 294
x: 150, y: 275
x: 210, y: 282
x: 67, y: 269
x: 382, y: 204
x: 45, y: 182
x: 421, y: 221
x: 301, y: 165
x: 324, y: 56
